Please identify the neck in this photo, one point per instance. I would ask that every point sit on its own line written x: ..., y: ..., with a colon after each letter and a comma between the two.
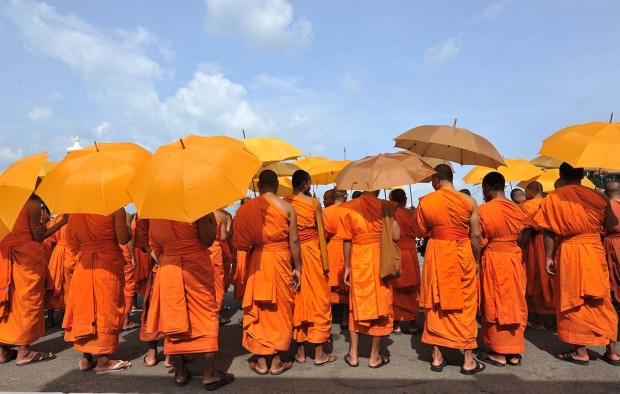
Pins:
x: 498, y: 195
x: 539, y: 195
x: 266, y: 191
x: 572, y: 182
x: 445, y: 185
x: 338, y: 202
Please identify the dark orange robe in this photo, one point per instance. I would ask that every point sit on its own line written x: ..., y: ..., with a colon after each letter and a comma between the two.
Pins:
x: 540, y: 285
x: 612, y: 247
x: 22, y: 279
x: 312, y: 315
x: 370, y: 297
x: 585, y: 314
x: 144, y: 261
x: 503, y: 306
x: 227, y: 257
x: 407, y: 286
x: 96, y: 306
x: 218, y: 265
x: 145, y: 335
x: 128, y: 287
x: 449, y: 293
x: 54, y: 289
x: 239, y: 274
x: 261, y: 229
x: 339, y: 290
x: 183, y: 305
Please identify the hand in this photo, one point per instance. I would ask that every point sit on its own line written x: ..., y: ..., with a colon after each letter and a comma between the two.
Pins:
x: 347, y: 272
x: 296, y: 278
x: 550, y: 266
x: 40, y: 229
x: 65, y: 218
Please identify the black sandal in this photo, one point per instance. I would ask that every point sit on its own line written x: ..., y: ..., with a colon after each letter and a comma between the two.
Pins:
x: 479, y: 368
x: 568, y: 357
x: 384, y: 361
x: 440, y: 367
x: 509, y: 358
x: 185, y: 382
x: 484, y: 357
x: 225, y: 378
x: 610, y: 361
x: 349, y: 363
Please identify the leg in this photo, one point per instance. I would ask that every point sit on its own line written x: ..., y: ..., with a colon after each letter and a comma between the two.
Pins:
x: 437, y: 356
x: 353, y: 344
x: 49, y: 319
x: 469, y: 362
x: 87, y: 362
x: 105, y: 364
x: 320, y: 357
x: 345, y: 316
x: 300, y: 355
x: 181, y: 373
x: 128, y: 324
x: 397, y: 327
x: 376, y: 360
x: 612, y: 351
x: 150, y: 360
x: 7, y: 354
x: 213, y: 379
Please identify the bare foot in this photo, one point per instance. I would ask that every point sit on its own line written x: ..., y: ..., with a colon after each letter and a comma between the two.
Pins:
x: 326, y: 358
x: 87, y: 363
x: 280, y: 369
x: 130, y: 325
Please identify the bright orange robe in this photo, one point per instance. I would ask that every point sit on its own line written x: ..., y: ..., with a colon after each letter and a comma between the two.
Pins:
x: 612, y: 247
x: 144, y: 261
x: 60, y: 268
x: 22, y: 280
x: 540, y: 285
x: 239, y: 274
x: 183, y: 305
x: 128, y: 270
x: 370, y: 298
x: 503, y: 306
x: 145, y: 335
x: 54, y: 279
x: 218, y: 266
x: 339, y: 290
x: 312, y: 315
x: 449, y: 293
x: 585, y: 315
x: 96, y: 305
x: 407, y: 286
x: 261, y: 229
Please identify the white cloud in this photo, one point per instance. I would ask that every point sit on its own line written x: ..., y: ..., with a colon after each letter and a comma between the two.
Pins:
x: 489, y: 12
x: 102, y: 130
x: 267, y: 25
x: 444, y: 52
x: 38, y: 114
x: 352, y: 83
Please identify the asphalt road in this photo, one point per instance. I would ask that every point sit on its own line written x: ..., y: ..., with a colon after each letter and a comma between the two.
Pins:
x: 408, y: 371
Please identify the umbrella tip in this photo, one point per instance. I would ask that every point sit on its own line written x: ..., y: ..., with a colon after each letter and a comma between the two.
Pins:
x: 96, y: 146
x: 454, y: 124
x: 182, y: 144
x: 611, y: 118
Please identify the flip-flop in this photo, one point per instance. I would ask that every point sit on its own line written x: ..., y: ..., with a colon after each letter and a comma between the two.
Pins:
x: 286, y: 368
x: 38, y: 358
x: 346, y: 360
x: 329, y: 360
x: 479, y: 368
x: 185, y: 382
x: 225, y: 378
x: 256, y: 371
x: 117, y: 367
x: 440, y: 367
x: 150, y: 365
x: 509, y: 357
x: 384, y: 361
x: 136, y: 325
x: 12, y: 355
x: 568, y: 357
x: 608, y: 360
x: 484, y: 357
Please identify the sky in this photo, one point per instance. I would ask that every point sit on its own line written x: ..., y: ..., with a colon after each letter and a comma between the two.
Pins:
x: 324, y: 75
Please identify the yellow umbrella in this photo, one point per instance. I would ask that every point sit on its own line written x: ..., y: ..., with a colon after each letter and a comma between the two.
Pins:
x: 548, y: 178
x: 271, y: 150
x: 17, y: 184
x: 284, y: 189
x: 514, y: 170
x: 309, y: 162
x: 323, y: 171
x: 450, y: 143
x: 590, y: 145
x: 383, y: 171
x: 189, y: 178
x: 94, y: 179
x: 47, y: 167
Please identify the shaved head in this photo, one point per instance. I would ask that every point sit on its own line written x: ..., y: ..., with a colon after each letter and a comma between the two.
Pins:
x: 444, y: 173
x: 268, y: 181
x: 495, y: 181
x: 571, y: 174
x: 465, y: 191
x: 299, y: 177
x: 612, y: 190
x: 328, y: 198
x: 517, y: 195
x: 340, y: 195
x: 533, y: 189
x: 399, y: 196
x: 559, y: 183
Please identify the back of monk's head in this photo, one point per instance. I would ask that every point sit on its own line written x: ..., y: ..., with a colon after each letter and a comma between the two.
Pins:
x: 534, y: 188
x: 268, y: 180
x: 465, y: 191
x: 399, y: 196
x: 612, y: 189
x: 299, y: 177
x: 329, y: 194
x: 570, y: 173
x: 495, y: 181
x: 444, y: 173
x: 356, y: 194
x: 339, y: 194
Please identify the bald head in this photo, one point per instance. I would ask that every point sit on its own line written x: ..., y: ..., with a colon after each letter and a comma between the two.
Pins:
x: 340, y: 196
x: 268, y: 182
x: 399, y: 196
x: 444, y: 173
x: 517, y: 195
x: 571, y: 174
x: 533, y: 190
x: 612, y: 190
x: 559, y: 183
x: 328, y: 198
x: 465, y: 191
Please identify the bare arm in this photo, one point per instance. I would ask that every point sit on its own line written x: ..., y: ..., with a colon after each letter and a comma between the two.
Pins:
x: 347, y: 245
x: 293, y: 239
x: 224, y: 228
x: 549, y: 240
x: 38, y: 230
x: 524, y: 238
x: 611, y: 221
x: 207, y: 229
x: 123, y: 236
x: 395, y: 231
x: 475, y: 236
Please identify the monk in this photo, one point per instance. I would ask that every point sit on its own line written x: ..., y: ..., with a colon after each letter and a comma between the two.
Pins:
x: 142, y: 254
x: 339, y: 294
x: 266, y: 228
x: 585, y: 314
x: 503, y: 307
x: 184, y: 305
x: 328, y: 198
x: 449, y: 292
x: 218, y: 261
x: 517, y: 195
x: 540, y: 285
x: 407, y: 286
x: 465, y: 191
x: 312, y: 318
x: 239, y: 268
x: 612, y: 242
x: 227, y: 253
x: 96, y: 305
x: 370, y: 298
x: 129, y: 270
x: 22, y: 279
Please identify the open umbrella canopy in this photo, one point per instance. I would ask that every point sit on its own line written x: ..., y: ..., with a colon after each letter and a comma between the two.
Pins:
x: 591, y: 145
x: 450, y: 143
x: 94, y: 179
x: 17, y: 184
x: 514, y: 170
x: 546, y: 162
x: 47, y: 167
x: 282, y: 169
x: 271, y: 150
x: 548, y: 178
x: 323, y: 171
x: 383, y: 171
x: 285, y: 186
x: 192, y: 177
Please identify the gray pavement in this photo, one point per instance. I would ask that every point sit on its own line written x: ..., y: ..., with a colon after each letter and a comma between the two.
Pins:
x: 408, y: 371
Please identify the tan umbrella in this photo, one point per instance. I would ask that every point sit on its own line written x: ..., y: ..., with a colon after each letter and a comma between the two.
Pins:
x: 546, y: 163
x: 282, y: 169
x: 450, y: 143
x: 383, y: 171
x: 514, y: 170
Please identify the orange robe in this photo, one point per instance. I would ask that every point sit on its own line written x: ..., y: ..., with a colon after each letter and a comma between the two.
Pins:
x: 144, y: 261
x: 239, y: 274
x: 261, y: 229
x: 370, y: 297
x: 145, y: 335
x: 129, y: 284
x: 22, y: 280
x: 54, y: 279
x: 63, y: 259
x: 183, y: 304
x: 503, y: 306
x: 339, y: 290
x: 96, y: 306
x: 612, y: 247
x: 407, y: 286
x: 218, y: 266
x: 449, y: 293
x: 540, y: 285
x: 312, y: 315
x: 585, y: 314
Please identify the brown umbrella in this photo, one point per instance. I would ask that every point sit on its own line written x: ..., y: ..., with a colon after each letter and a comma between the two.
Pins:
x: 383, y: 171
x: 450, y: 143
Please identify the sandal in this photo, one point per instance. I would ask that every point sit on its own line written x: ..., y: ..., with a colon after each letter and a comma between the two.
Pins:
x: 484, y: 357
x: 10, y: 356
x: 119, y: 366
x: 330, y: 359
x: 257, y: 371
x: 346, y: 360
x: 479, y: 368
x: 417, y: 330
x: 568, y: 357
x: 610, y: 361
x: 39, y: 357
x: 509, y: 357
x: 225, y: 378
x: 150, y: 365
x: 89, y: 367
x: 384, y: 361
x: 440, y: 367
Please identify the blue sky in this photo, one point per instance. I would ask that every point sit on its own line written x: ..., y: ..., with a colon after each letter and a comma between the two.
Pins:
x: 321, y: 74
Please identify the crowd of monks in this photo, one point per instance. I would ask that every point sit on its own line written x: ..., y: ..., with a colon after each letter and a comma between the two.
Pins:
x: 291, y: 261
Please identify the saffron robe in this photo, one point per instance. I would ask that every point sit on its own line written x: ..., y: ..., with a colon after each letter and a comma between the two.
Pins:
x: 612, y: 247
x: 407, y: 286
x: 339, y: 293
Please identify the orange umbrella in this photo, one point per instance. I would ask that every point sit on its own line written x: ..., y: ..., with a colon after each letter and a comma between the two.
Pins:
x: 17, y: 184
x: 450, y: 143
x: 271, y: 150
x: 94, y: 179
x: 383, y: 171
x: 548, y: 178
x: 514, y: 170
x: 323, y: 171
x: 284, y: 188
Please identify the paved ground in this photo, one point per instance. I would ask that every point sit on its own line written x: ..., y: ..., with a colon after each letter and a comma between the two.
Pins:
x: 408, y: 371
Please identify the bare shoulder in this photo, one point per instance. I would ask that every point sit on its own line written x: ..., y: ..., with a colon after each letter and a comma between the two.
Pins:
x: 220, y: 215
x: 280, y: 203
x: 472, y: 201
